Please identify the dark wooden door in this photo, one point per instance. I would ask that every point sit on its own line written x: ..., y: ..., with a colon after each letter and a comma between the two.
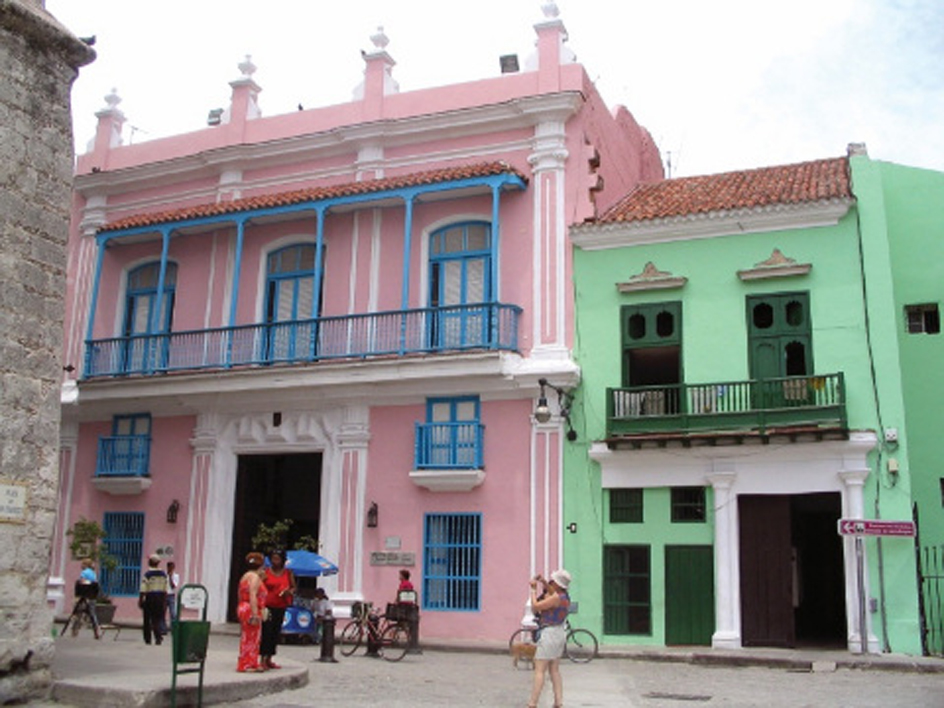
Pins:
x: 766, y: 571
x: 689, y: 595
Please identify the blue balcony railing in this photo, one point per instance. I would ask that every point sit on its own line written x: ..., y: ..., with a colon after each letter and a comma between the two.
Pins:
x: 748, y: 405
x: 401, y: 332
x: 123, y: 456
x: 449, y: 446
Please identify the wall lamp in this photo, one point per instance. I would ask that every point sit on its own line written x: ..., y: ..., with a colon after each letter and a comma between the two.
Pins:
x: 372, y: 514
x: 172, y: 512
x: 542, y: 413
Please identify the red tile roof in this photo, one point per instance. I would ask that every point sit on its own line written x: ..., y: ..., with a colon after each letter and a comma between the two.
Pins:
x: 298, y: 196
x: 746, y: 189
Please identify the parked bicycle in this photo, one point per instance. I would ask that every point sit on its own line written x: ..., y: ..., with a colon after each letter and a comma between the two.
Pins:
x: 388, y: 636
x: 581, y: 646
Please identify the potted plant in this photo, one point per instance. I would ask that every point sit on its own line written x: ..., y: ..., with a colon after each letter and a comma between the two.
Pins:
x: 87, y: 541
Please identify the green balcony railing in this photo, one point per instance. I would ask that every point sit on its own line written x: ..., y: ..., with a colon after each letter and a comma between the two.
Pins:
x: 730, y: 405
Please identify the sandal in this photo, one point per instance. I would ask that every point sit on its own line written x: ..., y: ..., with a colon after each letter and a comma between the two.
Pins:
x: 272, y: 665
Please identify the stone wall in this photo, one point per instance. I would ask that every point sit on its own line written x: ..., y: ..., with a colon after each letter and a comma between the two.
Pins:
x: 40, y: 61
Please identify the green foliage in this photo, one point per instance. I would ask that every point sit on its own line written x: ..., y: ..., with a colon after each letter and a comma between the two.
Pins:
x: 278, y: 536
x: 87, y: 542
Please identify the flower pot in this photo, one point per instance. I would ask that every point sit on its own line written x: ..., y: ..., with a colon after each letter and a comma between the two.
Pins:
x: 105, y: 613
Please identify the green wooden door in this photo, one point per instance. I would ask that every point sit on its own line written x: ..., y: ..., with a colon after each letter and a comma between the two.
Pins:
x: 779, y: 345
x: 689, y: 595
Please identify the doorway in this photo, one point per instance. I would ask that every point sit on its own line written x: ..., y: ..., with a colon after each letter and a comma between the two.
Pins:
x: 792, y: 581
x: 271, y: 488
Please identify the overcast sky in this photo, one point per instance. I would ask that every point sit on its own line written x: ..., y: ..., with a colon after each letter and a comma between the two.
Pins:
x: 720, y: 84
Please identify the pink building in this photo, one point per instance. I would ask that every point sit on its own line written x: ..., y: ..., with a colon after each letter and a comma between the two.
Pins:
x: 339, y: 316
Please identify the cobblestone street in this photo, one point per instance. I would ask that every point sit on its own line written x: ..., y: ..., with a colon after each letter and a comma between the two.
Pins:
x: 459, y: 680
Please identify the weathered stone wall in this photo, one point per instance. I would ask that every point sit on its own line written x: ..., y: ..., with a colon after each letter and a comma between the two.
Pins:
x: 40, y: 61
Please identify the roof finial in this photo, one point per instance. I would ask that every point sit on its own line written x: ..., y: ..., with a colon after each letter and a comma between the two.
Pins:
x: 550, y: 9
x: 380, y: 39
x: 247, y: 67
x: 113, y: 99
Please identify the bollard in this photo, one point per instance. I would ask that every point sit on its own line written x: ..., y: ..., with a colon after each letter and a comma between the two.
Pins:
x: 327, y: 640
x: 414, y: 624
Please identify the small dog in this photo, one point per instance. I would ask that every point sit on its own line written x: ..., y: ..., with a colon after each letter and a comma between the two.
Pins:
x: 523, y: 651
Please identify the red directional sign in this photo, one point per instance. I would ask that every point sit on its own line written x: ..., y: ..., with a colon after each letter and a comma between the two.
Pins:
x: 869, y: 527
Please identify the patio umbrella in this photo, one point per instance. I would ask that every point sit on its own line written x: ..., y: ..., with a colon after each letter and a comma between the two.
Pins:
x: 307, y: 564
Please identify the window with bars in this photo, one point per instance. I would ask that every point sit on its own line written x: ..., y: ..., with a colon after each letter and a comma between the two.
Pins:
x: 452, y: 562
x: 627, y: 596
x: 626, y: 506
x: 124, y: 540
x: 923, y: 319
x: 688, y: 504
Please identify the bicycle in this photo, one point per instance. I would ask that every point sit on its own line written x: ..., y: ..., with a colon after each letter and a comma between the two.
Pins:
x: 581, y: 646
x: 389, y: 636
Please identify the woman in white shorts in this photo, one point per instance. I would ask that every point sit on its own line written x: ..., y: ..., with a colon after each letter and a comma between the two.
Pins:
x: 552, y: 608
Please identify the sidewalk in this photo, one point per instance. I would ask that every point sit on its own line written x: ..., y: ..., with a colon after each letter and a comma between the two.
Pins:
x: 123, y: 671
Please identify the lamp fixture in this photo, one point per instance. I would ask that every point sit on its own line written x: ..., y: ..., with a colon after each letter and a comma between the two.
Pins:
x: 565, y: 399
x: 372, y: 514
x: 172, y: 512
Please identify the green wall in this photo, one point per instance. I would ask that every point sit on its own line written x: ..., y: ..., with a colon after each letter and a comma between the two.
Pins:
x: 714, y: 348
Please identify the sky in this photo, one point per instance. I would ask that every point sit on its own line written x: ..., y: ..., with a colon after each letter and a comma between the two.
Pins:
x: 721, y: 85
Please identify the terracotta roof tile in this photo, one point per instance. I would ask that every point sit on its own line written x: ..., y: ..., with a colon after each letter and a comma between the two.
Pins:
x: 415, y: 179
x: 746, y: 189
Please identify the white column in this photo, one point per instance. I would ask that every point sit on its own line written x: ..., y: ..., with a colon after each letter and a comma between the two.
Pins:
x: 853, y: 507
x: 727, y: 568
x: 344, y: 480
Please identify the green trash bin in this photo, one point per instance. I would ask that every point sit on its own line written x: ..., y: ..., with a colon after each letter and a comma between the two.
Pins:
x: 190, y: 641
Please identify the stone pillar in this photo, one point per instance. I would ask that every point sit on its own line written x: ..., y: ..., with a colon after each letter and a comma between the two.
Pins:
x: 40, y: 60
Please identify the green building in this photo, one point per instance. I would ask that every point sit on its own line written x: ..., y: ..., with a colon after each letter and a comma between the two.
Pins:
x: 745, y: 366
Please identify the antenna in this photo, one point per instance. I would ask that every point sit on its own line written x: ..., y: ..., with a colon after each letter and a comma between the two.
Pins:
x: 668, y: 164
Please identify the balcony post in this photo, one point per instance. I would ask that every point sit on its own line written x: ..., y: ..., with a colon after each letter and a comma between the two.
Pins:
x: 407, y: 247
x: 493, y: 276
x: 234, y: 301
x: 154, y: 324
x: 316, y: 289
x: 102, y: 244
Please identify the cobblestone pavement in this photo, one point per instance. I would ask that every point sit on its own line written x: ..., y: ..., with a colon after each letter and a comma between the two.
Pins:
x: 460, y: 680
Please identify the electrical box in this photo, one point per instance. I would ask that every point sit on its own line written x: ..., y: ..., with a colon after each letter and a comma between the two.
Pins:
x: 891, y: 435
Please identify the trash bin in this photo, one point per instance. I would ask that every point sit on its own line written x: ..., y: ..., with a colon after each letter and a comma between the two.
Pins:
x: 190, y: 641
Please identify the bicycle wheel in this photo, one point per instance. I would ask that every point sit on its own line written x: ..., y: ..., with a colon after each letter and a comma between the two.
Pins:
x: 352, y: 636
x: 581, y: 646
x: 522, y: 636
x: 394, y: 642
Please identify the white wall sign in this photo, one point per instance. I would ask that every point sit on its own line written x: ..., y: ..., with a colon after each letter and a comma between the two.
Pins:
x: 407, y: 558
x: 12, y: 503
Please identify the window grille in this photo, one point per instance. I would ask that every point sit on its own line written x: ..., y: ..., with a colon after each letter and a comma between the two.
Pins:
x: 688, y: 504
x: 627, y: 595
x: 452, y: 562
x: 626, y: 506
x: 124, y: 540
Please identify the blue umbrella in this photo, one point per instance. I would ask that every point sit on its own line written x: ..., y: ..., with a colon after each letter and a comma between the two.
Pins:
x: 306, y: 564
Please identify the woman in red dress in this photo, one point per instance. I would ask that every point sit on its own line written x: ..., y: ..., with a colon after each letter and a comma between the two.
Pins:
x: 252, y: 594
x: 279, y: 583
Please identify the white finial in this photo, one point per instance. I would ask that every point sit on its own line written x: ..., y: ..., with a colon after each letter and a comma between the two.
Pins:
x: 380, y: 39
x: 113, y: 99
x: 247, y: 67
x: 550, y: 9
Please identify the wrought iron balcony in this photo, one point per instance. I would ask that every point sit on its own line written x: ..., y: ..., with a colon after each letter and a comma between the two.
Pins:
x: 123, y: 456
x: 732, y: 405
x: 448, y: 445
x: 400, y: 332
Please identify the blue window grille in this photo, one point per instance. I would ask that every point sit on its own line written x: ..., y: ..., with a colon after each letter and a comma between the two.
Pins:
x: 452, y: 562
x: 127, y: 451
x: 460, y: 274
x: 124, y: 540
x: 451, y: 437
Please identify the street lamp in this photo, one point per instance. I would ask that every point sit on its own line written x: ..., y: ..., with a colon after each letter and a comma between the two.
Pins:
x: 542, y: 412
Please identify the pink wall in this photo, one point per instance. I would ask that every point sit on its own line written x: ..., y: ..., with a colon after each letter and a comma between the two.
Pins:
x: 503, y: 500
